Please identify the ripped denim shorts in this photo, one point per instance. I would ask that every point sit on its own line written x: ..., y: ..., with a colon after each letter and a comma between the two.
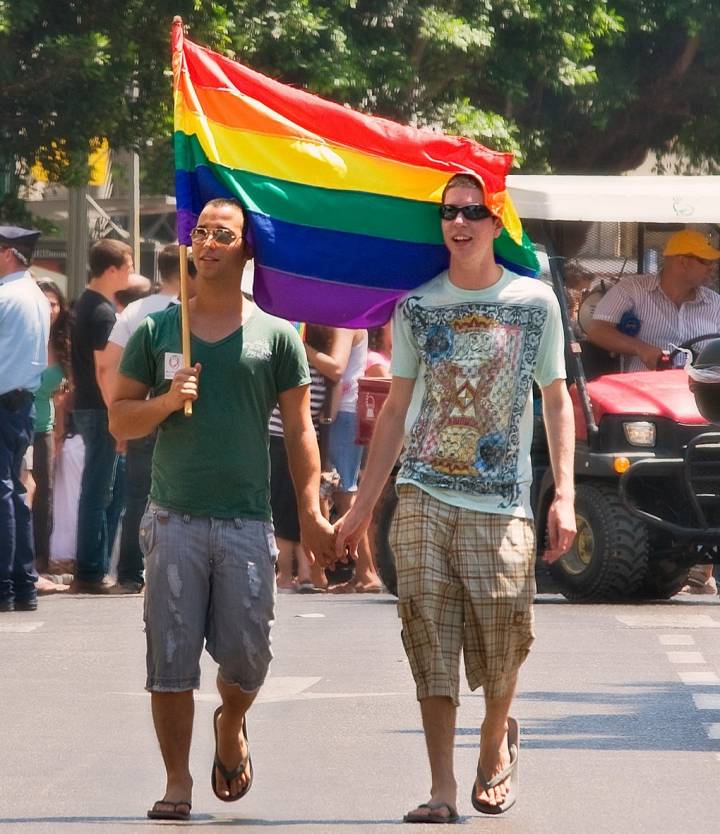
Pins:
x: 212, y: 581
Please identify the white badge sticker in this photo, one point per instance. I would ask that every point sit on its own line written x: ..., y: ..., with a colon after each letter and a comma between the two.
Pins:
x: 173, y: 363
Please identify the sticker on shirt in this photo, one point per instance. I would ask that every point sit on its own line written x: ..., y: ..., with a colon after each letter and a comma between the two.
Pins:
x: 258, y: 349
x: 173, y: 363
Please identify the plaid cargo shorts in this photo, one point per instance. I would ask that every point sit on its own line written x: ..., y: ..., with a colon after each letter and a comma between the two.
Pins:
x: 466, y: 580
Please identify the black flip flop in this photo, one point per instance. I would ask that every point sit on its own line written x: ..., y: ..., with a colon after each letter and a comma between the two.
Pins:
x: 511, y: 772
x: 229, y: 775
x: 173, y: 813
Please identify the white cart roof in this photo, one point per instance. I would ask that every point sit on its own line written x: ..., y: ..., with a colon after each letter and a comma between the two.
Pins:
x: 624, y: 199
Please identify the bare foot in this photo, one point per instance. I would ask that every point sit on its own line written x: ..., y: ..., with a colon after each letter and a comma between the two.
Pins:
x: 494, y: 758
x: 232, y: 749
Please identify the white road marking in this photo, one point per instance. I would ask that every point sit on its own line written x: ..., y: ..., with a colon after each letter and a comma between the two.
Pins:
x: 699, y: 678
x: 19, y: 628
x: 713, y: 730
x: 685, y: 657
x: 705, y: 701
x: 661, y: 620
x: 676, y: 639
x: 310, y: 616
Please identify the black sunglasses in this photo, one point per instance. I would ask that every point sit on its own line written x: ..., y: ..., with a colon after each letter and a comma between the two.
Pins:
x: 472, y: 211
x: 222, y: 236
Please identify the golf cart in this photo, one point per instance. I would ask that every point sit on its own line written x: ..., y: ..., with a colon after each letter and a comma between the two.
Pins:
x: 647, y: 468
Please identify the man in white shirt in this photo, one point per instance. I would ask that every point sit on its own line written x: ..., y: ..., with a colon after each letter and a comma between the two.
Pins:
x: 467, y: 347
x: 138, y: 460
x: 642, y: 315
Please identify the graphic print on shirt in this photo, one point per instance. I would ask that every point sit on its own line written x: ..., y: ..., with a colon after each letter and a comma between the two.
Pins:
x: 479, y: 361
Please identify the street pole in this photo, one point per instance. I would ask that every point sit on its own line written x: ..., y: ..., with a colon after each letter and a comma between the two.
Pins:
x: 134, y: 218
x: 78, y: 238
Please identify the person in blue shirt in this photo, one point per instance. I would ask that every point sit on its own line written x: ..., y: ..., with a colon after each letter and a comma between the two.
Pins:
x: 24, y: 332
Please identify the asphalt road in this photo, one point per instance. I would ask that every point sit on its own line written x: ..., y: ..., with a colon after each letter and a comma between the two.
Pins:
x: 619, y: 710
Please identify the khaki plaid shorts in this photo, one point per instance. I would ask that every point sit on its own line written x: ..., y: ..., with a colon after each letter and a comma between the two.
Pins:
x: 466, y: 580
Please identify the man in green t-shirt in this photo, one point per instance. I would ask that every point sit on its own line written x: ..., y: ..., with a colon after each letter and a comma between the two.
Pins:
x: 467, y: 347
x: 207, y: 534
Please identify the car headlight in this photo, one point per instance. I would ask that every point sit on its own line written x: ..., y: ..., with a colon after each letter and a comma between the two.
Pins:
x: 640, y: 433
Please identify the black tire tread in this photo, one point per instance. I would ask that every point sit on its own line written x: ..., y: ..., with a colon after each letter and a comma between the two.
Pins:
x: 622, y: 571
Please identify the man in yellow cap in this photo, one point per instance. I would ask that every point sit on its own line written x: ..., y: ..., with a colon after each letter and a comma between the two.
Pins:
x: 663, y: 309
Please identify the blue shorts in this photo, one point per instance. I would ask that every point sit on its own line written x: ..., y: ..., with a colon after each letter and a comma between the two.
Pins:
x: 344, y: 453
x: 207, y: 581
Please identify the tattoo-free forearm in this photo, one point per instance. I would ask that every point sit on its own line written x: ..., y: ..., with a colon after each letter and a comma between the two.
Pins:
x: 131, y: 419
x: 560, y: 430
x: 304, y: 463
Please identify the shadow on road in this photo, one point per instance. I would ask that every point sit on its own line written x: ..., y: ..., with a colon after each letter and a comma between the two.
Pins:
x: 197, y: 819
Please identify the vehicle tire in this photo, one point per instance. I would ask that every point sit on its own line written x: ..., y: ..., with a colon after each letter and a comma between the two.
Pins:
x: 663, y: 579
x: 609, y: 557
x: 382, y: 518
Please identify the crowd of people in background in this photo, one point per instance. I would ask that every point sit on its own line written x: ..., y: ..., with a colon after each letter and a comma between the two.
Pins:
x: 87, y: 491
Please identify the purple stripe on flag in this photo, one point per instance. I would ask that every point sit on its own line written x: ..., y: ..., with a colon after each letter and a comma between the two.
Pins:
x: 299, y: 298
x: 186, y: 220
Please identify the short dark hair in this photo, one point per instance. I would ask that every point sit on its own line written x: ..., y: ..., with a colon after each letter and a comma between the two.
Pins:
x: 107, y: 253
x: 217, y: 202
x: 463, y: 180
x: 169, y: 262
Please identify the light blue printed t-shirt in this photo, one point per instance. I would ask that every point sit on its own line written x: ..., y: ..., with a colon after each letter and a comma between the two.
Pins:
x: 474, y: 355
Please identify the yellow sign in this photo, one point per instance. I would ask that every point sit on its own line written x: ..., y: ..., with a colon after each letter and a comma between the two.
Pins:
x: 98, y: 160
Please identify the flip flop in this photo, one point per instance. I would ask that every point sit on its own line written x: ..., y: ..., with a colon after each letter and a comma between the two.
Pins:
x: 173, y: 813
x: 433, y: 817
x: 511, y: 772
x: 229, y: 775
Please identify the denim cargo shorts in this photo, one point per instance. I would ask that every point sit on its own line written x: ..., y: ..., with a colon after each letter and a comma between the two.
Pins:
x: 212, y: 581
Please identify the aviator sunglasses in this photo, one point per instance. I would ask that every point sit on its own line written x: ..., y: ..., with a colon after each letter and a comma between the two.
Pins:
x: 472, y: 211
x: 222, y: 236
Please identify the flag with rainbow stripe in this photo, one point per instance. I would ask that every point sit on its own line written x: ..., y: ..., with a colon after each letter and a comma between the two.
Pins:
x: 342, y: 207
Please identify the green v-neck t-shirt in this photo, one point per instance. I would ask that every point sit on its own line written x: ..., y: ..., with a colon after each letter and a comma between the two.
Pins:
x: 216, y: 463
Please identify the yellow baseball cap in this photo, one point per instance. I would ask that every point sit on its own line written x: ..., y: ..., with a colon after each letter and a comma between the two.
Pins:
x: 687, y: 242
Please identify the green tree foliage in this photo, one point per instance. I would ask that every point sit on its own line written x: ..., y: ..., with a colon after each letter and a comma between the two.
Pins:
x: 72, y: 71
x: 568, y: 85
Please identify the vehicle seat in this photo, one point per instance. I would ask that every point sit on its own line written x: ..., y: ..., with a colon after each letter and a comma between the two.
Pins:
x: 598, y: 361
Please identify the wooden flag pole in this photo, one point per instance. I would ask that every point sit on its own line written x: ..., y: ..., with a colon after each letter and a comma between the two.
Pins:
x: 185, y: 317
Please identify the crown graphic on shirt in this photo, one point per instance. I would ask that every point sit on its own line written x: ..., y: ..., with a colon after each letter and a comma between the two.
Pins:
x: 474, y: 321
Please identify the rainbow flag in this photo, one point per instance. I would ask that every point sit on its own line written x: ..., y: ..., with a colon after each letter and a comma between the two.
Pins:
x: 342, y: 207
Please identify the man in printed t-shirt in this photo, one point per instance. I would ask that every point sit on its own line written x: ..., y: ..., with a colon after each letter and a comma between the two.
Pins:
x: 467, y: 347
x: 207, y: 535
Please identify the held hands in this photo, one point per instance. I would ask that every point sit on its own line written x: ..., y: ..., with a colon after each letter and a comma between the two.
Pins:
x: 561, y: 528
x: 348, y: 531
x: 184, y: 386
x: 318, y: 540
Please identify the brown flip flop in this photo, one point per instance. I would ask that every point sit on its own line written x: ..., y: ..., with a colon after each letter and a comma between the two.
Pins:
x: 510, y: 773
x: 173, y: 812
x: 434, y: 817
x: 229, y: 775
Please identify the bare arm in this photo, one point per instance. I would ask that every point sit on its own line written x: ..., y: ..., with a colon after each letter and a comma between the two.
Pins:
x: 325, y: 363
x: 385, y: 447
x: 605, y: 334
x: 132, y: 416
x: 304, y: 461
x: 560, y: 430
x: 107, y: 362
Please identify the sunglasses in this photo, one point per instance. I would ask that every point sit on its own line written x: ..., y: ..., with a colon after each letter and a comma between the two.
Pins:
x: 221, y: 235
x: 472, y: 211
